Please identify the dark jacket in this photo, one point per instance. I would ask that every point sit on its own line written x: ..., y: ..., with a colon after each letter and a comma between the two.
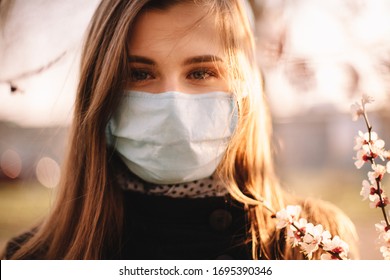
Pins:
x: 159, y: 227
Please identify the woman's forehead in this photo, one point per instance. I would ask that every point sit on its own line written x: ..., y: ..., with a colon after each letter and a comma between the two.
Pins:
x: 181, y: 29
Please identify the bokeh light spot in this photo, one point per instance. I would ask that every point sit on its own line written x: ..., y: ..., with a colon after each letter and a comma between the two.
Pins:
x: 11, y: 164
x: 48, y: 172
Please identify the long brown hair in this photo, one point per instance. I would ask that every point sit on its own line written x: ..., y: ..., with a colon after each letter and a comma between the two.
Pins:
x: 86, y: 222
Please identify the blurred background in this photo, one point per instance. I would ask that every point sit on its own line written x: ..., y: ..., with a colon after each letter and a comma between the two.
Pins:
x: 317, y: 58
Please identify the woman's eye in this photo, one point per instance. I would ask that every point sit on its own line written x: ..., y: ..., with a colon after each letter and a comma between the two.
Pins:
x: 140, y: 75
x: 201, y: 74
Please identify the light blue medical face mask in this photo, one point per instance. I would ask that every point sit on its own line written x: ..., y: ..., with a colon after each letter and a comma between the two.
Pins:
x: 173, y: 137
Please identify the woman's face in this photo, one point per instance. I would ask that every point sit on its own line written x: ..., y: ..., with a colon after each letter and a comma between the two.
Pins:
x: 178, y: 49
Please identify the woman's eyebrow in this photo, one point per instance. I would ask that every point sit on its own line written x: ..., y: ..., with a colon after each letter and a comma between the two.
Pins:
x: 141, y: 59
x: 202, y: 58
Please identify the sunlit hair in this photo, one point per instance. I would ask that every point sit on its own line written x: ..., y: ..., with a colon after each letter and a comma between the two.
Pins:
x: 86, y: 222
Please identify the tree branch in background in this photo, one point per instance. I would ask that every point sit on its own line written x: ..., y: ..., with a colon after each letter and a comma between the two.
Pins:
x: 12, y: 81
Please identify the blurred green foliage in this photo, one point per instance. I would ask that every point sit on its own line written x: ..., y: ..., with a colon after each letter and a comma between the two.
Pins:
x: 22, y: 205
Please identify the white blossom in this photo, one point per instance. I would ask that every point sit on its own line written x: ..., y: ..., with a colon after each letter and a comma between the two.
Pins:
x: 336, y: 246
x: 287, y: 216
x: 362, y: 139
x: 377, y: 173
x: 366, y: 99
x: 381, y: 228
x: 313, y: 238
x: 385, y: 250
x: 296, y: 235
x: 356, y: 111
x: 371, y: 144
x: 368, y: 147
x: 360, y: 159
x: 301, y: 233
x: 367, y: 190
x: 384, y: 239
x: 375, y: 201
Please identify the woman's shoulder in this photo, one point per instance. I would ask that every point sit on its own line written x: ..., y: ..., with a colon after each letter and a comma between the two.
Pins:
x: 320, y: 210
x: 14, y: 244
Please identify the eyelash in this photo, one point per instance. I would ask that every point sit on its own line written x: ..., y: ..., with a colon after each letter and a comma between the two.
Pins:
x: 135, y: 72
x: 205, y: 73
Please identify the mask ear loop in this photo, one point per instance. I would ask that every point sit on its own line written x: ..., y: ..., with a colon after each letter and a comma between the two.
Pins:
x: 235, y: 113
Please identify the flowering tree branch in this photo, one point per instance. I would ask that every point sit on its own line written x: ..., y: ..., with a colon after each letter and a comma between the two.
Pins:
x: 309, y: 237
x: 369, y: 148
x: 11, y: 81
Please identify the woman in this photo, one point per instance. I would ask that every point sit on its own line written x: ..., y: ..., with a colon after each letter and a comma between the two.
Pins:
x: 170, y: 154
